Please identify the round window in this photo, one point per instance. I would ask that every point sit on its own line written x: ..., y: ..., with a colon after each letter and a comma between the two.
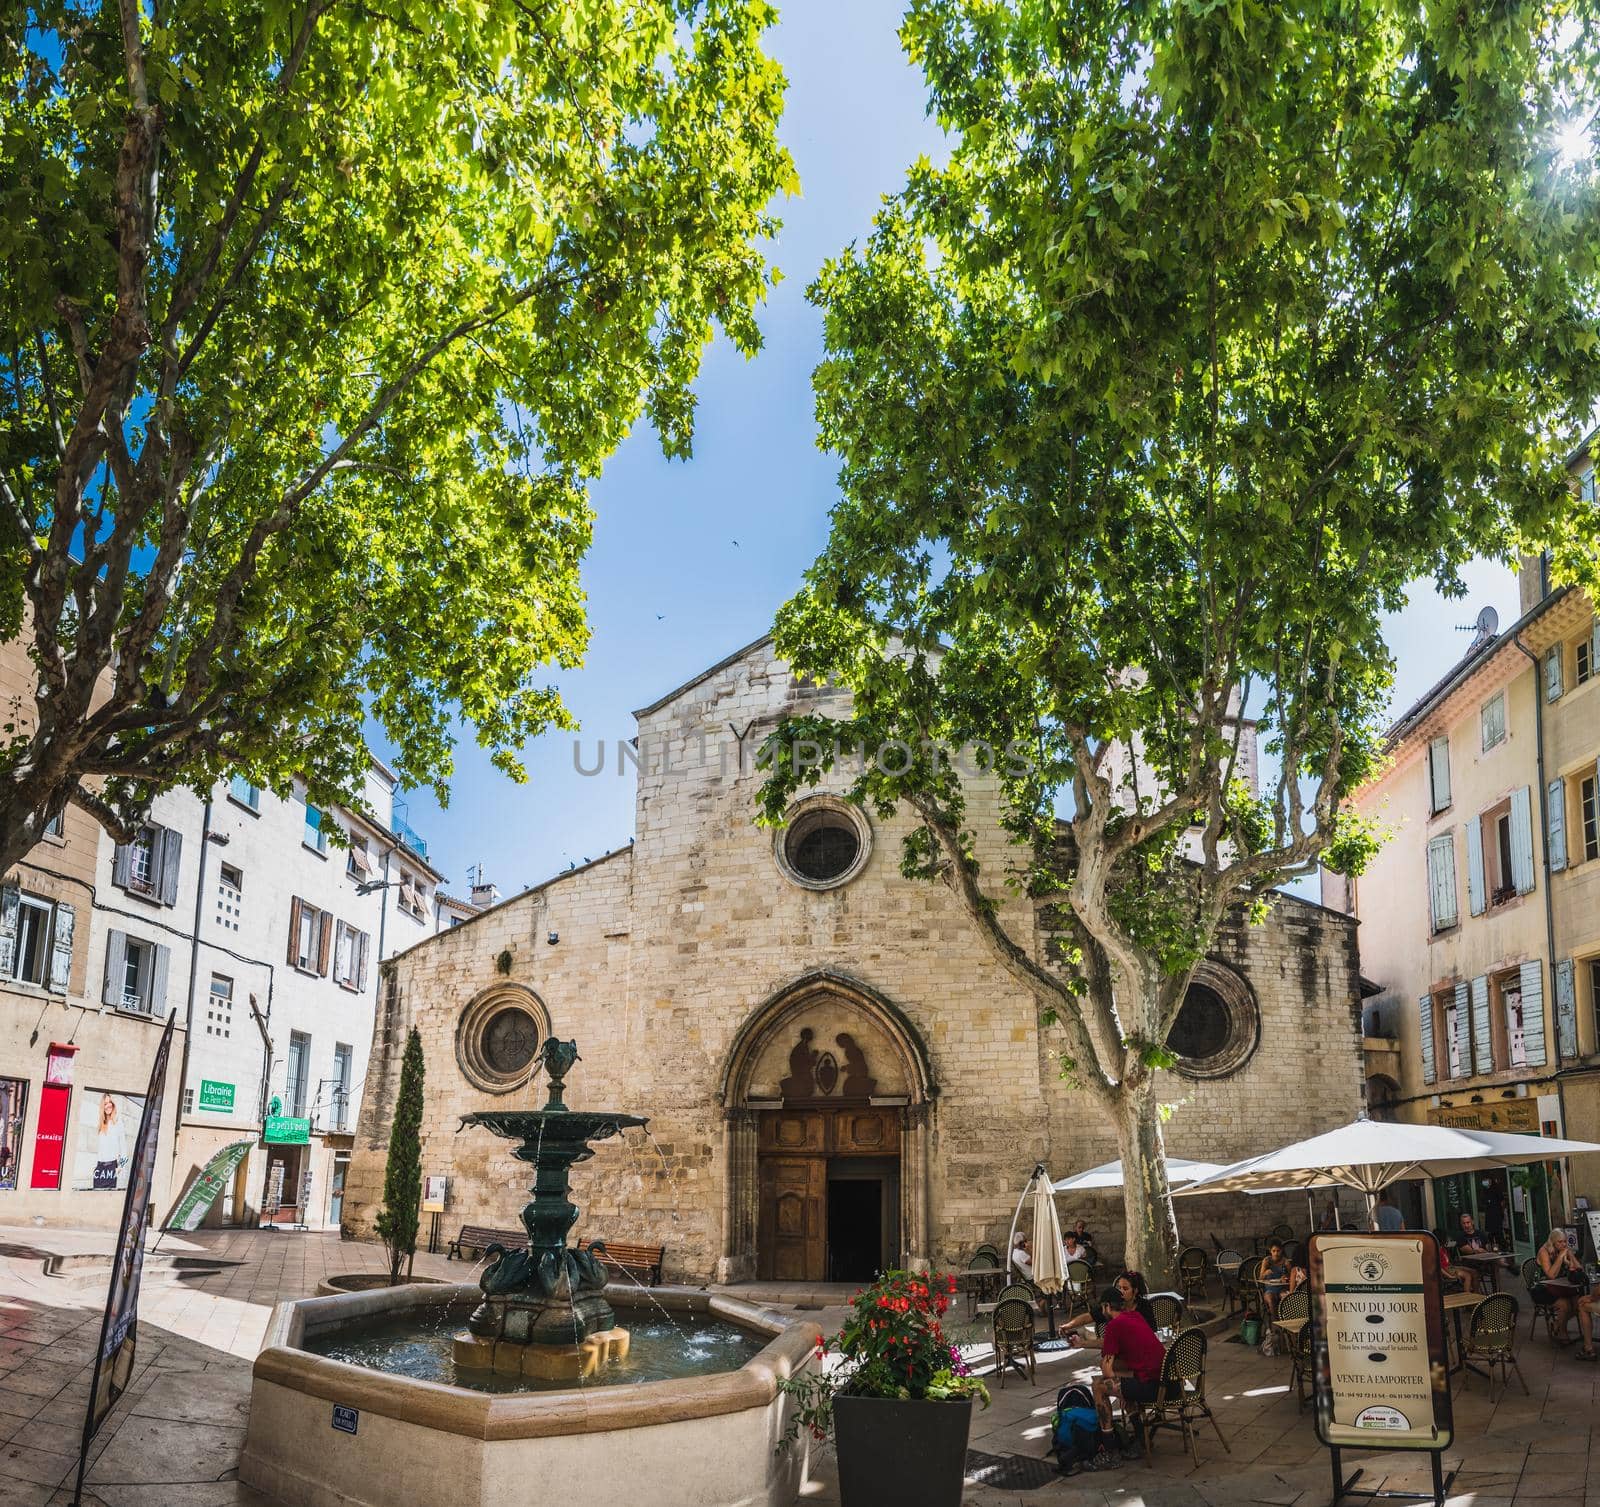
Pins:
x: 824, y: 844
x: 1218, y: 1024
x: 509, y: 1040
x: 498, y: 1037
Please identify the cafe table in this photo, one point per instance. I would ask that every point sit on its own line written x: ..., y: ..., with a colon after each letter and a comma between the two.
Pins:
x: 1488, y: 1263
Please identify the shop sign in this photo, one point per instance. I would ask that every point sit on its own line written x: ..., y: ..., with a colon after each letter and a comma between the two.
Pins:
x: 1519, y: 1116
x: 215, y: 1095
x: 208, y: 1183
x: 1381, y: 1381
x: 286, y: 1130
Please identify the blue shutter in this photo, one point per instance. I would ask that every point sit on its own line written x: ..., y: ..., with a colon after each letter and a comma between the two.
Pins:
x: 1533, y: 1013
x: 1552, y: 674
x: 1475, y: 866
x: 1556, y: 820
x: 1522, y: 839
x: 1482, y: 1040
x: 1566, y: 1010
x: 1425, y: 1023
x: 1464, y: 1028
x: 1442, y: 881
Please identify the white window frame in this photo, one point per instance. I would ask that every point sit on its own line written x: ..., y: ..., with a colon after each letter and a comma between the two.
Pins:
x: 1492, y: 721
x: 139, y: 968
x: 45, y: 911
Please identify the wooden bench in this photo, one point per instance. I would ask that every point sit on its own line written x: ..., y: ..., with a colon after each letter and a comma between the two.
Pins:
x: 479, y: 1237
x: 641, y: 1262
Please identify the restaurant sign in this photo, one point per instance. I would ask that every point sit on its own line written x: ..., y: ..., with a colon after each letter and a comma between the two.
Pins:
x: 1380, y: 1358
x: 286, y: 1130
x: 1519, y: 1116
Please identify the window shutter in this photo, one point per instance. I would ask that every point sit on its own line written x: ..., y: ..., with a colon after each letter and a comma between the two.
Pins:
x: 122, y: 864
x: 10, y: 904
x: 1442, y: 881
x: 1533, y: 1012
x: 1556, y: 818
x: 1594, y: 647
x: 156, y: 1000
x: 1566, y: 1009
x: 295, y: 906
x: 61, y: 948
x: 1425, y: 1021
x: 1464, y: 1027
x: 1482, y: 1039
x: 1522, y: 840
x: 1552, y: 674
x: 116, y: 965
x: 1438, y: 774
x: 324, y: 941
x: 1475, y: 866
x: 171, y: 851
x: 364, y: 943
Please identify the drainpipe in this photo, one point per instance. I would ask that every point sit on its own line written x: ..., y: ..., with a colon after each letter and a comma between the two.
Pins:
x: 194, y: 969
x: 1549, y: 897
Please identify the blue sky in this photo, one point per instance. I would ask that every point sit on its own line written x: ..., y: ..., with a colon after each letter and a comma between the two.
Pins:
x: 670, y: 592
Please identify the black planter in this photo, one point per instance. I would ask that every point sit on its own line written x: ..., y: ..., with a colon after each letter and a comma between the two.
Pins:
x: 901, y: 1452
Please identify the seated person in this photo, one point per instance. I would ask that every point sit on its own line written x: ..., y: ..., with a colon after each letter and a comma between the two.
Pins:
x: 1022, y: 1257
x: 1473, y: 1241
x: 1452, y: 1277
x: 1299, y: 1267
x: 1075, y: 1250
x: 1080, y: 1233
x: 1130, y: 1354
x: 1560, y: 1264
x: 1273, y: 1277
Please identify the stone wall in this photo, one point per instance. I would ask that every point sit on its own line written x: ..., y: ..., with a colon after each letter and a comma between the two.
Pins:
x: 670, y: 950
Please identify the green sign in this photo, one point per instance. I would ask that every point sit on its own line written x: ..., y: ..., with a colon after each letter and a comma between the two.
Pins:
x: 286, y: 1130
x: 208, y: 1183
x: 215, y: 1095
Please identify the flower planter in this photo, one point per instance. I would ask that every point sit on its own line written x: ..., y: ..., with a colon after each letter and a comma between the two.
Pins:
x: 911, y: 1452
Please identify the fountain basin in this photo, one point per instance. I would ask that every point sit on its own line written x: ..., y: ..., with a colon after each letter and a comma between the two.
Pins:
x: 697, y: 1441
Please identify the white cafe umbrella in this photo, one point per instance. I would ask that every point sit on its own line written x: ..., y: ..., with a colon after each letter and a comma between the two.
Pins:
x: 1109, y: 1175
x: 1049, y: 1259
x: 1370, y: 1155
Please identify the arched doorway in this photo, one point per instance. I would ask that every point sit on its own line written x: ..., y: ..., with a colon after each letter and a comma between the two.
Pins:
x: 826, y: 1093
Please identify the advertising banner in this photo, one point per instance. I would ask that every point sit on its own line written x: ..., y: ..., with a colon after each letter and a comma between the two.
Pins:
x: 50, y: 1134
x: 208, y: 1183
x: 107, y: 1124
x: 113, y: 1363
x: 1381, y: 1361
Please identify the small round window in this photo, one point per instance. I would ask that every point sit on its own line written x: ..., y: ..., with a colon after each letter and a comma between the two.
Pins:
x: 498, y: 1037
x: 824, y: 844
x: 1218, y: 1024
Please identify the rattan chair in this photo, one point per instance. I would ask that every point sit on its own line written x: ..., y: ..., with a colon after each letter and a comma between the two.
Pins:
x: 1168, y: 1309
x: 1076, y: 1295
x: 1023, y: 1292
x: 1293, y: 1305
x: 1249, y: 1286
x: 1013, y: 1338
x: 1229, y: 1264
x: 1181, y: 1397
x: 1543, y: 1308
x: 1491, y: 1338
x: 1192, y: 1272
x: 1283, y: 1232
x: 983, y: 1277
x: 991, y: 1251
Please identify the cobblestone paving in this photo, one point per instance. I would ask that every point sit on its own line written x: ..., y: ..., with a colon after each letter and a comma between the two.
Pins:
x: 173, y: 1440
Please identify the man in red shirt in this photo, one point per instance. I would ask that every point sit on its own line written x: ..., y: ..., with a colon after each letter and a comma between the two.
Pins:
x: 1130, y: 1353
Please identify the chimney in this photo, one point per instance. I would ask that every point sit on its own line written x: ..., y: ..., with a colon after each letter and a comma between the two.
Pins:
x: 483, y: 892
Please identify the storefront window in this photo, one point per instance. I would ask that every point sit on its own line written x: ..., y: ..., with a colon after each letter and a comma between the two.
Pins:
x: 13, y: 1111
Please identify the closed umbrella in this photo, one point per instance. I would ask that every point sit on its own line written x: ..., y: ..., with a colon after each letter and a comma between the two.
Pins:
x: 1049, y: 1259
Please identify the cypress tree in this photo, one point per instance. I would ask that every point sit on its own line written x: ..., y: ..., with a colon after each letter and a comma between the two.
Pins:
x: 402, y: 1179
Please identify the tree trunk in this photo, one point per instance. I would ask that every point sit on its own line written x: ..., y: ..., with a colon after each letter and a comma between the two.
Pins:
x: 1151, y: 1230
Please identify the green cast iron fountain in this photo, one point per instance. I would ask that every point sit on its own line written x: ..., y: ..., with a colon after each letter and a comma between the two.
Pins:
x: 543, y: 1297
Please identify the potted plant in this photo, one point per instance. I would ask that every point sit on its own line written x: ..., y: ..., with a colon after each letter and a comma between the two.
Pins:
x: 897, y: 1398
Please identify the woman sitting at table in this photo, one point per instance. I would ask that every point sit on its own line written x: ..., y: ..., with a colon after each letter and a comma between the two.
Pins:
x: 1273, y: 1277
x: 1075, y: 1250
x: 1563, y: 1284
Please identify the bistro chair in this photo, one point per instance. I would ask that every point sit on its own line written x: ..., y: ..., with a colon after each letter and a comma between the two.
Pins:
x: 986, y: 1250
x: 1491, y: 1338
x: 1192, y: 1272
x: 1532, y: 1276
x: 1013, y: 1338
x: 1019, y: 1292
x: 1249, y: 1286
x: 1229, y: 1264
x: 1076, y: 1291
x: 1283, y: 1232
x: 1168, y: 1309
x: 1291, y: 1306
x: 983, y: 1277
x: 1181, y: 1397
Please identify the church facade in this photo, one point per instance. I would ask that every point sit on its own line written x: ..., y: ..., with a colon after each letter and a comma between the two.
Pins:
x: 838, y: 1076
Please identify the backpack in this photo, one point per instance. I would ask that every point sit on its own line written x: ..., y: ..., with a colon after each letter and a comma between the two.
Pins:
x: 1075, y: 1434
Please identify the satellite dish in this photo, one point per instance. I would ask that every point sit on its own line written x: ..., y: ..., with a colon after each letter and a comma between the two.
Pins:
x: 1488, y: 622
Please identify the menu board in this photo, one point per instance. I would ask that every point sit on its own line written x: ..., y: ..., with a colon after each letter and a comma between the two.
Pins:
x: 1380, y: 1375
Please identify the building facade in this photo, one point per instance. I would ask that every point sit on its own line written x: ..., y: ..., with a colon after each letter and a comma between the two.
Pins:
x: 1480, y: 917
x: 837, y: 1074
